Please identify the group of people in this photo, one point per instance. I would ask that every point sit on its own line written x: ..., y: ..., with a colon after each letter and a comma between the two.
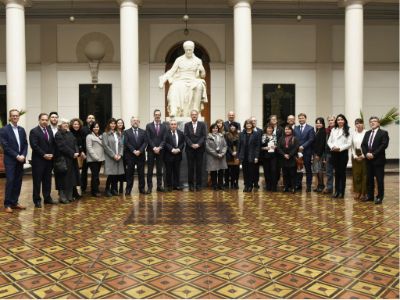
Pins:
x: 69, y: 148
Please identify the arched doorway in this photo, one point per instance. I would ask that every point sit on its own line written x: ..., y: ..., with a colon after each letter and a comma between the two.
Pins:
x: 200, y: 52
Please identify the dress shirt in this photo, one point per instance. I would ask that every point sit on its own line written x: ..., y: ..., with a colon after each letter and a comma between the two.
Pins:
x: 339, y: 140
x: 194, y: 126
x: 54, y: 129
x: 15, y: 129
x: 372, y: 137
x: 116, y: 142
x: 357, y: 141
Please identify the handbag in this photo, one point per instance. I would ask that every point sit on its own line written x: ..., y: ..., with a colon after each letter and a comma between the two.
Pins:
x: 60, y: 165
x: 80, y: 161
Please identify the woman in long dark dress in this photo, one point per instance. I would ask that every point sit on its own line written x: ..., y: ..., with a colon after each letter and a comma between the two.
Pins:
x: 288, y: 146
x: 120, y: 132
x: 232, y: 143
x: 319, y: 146
x: 268, y: 158
x: 75, y: 127
x: 67, y: 147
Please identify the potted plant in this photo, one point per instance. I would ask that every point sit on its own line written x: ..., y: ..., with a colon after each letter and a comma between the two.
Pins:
x: 392, y: 116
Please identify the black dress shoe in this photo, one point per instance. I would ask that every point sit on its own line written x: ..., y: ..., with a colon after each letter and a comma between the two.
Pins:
x: 308, y: 190
x: 95, y: 194
x: 178, y: 188
x: 63, y: 201
x: 38, y: 205
x: 215, y: 188
x: 50, y: 201
x: 285, y: 190
x: 149, y: 191
x: 340, y: 196
x: 378, y: 200
x: 191, y: 188
x: 108, y: 193
x: 293, y: 191
x: 245, y: 190
x: 142, y: 192
x: 168, y: 189
x: 335, y: 195
x: 198, y: 188
x: 256, y: 186
x: 127, y: 193
x: 160, y: 189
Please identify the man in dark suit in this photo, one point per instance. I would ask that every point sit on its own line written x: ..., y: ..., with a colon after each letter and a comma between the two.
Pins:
x: 155, y: 133
x: 174, y: 144
x: 15, y: 147
x: 373, y: 147
x: 85, y: 131
x: 259, y: 133
x: 42, y: 143
x: 231, y: 120
x: 305, y: 135
x: 134, y: 154
x: 195, y: 135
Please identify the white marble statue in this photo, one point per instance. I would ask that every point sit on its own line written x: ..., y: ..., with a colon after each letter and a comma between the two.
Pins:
x: 187, y: 90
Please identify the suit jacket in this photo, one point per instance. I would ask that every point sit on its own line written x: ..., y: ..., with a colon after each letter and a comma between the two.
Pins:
x: 227, y: 124
x: 195, y: 138
x: 305, y: 138
x: 169, y: 145
x: 292, y: 149
x: 153, y: 139
x: 131, y: 144
x: 379, y: 145
x: 40, y: 145
x: 253, y: 150
x: 10, y: 144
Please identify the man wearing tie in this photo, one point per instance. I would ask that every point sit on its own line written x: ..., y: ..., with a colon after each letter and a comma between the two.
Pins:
x: 155, y: 133
x: 42, y: 143
x: 195, y: 135
x: 305, y: 135
x: 174, y: 144
x: 373, y: 147
x: 135, y: 144
x: 15, y: 146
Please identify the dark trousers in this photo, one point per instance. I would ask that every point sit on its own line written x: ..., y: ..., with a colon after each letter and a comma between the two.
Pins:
x: 172, y: 168
x: 217, y: 178
x: 307, y: 166
x: 112, y: 183
x: 339, y: 161
x: 256, y: 176
x: 195, y: 164
x: 270, y: 173
x: 233, y: 174
x: 329, y: 172
x: 159, y: 162
x: 14, y: 173
x: 248, y: 173
x: 41, y: 178
x: 130, y: 171
x: 377, y: 172
x: 289, y: 177
x: 95, y: 167
x: 84, y: 170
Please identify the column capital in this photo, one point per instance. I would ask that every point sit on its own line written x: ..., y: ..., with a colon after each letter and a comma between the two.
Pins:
x: 18, y: 2
x: 345, y: 3
x: 136, y: 2
x: 235, y: 2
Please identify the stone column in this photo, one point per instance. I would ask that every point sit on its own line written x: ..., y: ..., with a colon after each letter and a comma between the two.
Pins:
x: 129, y: 29
x: 243, y: 58
x: 15, y: 54
x: 353, y: 59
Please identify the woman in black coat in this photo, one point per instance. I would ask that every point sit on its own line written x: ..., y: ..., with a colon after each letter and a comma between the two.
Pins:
x: 67, y: 147
x: 232, y: 142
x: 248, y: 153
x: 288, y: 147
x: 75, y: 127
x: 268, y: 158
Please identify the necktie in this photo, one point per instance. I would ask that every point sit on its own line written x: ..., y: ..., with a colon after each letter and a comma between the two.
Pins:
x: 135, y: 133
x: 194, y: 128
x: 174, y: 138
x: 157, y: 128
x: 46, y: 134
x: 301, y: 129
x: 371, y: 140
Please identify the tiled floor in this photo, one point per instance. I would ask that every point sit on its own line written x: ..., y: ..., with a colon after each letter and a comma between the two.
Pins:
x: 202, y: 245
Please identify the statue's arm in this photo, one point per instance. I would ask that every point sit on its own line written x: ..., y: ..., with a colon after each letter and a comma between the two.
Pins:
x: 169, y: 74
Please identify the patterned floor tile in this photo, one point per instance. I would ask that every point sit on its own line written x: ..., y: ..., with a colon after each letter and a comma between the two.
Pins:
x: 202, y: 245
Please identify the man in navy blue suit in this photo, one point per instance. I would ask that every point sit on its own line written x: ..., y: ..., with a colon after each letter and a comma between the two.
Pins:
x: 43, y: 147
x: 305, y: 135
x: 15, y: 146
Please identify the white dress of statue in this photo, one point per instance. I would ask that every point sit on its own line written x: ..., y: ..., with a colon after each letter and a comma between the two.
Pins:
x: 187, y: 90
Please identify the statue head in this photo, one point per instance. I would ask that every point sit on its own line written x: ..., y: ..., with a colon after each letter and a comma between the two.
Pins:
x: 188, y: 46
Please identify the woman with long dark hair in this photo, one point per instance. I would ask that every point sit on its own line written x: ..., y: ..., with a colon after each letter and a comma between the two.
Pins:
x: 318, y: 153
x: 75, y: 127
x: 113, y: 166
x: 288, y: 147
x: 232, y: 142
x: 359, y: 164
x: 249, y: 151
x: 120, y: 131
x: 339, y: 142
x: 95, y: 156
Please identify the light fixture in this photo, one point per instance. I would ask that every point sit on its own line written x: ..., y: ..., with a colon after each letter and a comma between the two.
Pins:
x: 185, y: 19
x: 299, y: 16
x: 72, y: 17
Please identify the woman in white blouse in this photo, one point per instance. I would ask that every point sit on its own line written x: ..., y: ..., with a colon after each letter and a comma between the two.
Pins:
x: 358, y: 162
x: 339, y: 142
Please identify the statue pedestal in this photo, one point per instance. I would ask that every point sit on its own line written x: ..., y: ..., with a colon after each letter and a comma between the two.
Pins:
x: 184, y: 165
